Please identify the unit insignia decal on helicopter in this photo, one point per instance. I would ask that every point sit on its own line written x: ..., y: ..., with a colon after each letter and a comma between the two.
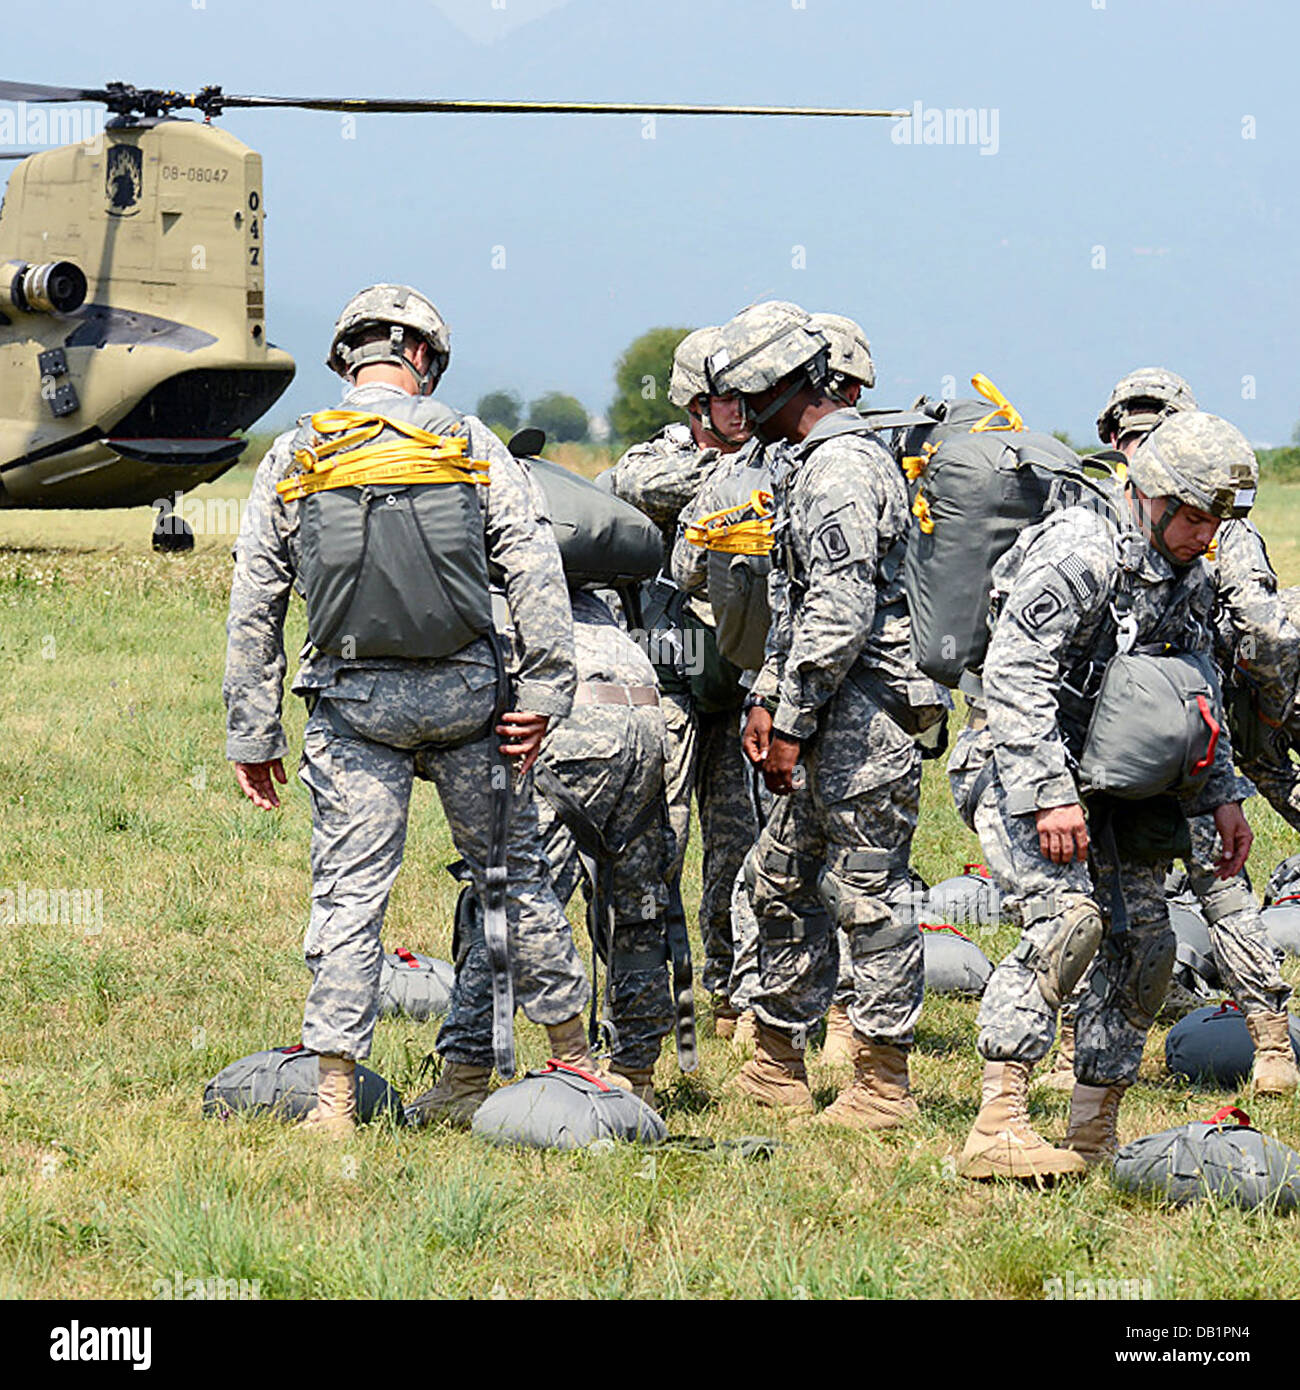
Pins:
x: 124, y: 180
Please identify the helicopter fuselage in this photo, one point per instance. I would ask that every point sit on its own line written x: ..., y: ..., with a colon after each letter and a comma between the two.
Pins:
x: 138, y: 393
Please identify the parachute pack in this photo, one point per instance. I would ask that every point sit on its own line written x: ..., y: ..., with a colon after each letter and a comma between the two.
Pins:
x: 1213, y: 1045
x: 414, y: 986
x: 978, y: 479
x: 284, y: 1080
x: 1223, y: 1158
x: 391, y: 530
x: 1177, y: 698
x: 954, y: 964
x: 738, y: 539
x: 602, y: 539
x: 561, y: 1107
x: 969, y: 899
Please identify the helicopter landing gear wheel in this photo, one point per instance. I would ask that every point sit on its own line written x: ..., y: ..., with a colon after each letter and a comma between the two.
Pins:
x: 171, y: 535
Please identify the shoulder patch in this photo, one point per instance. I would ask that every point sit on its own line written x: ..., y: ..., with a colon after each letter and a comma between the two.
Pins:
x: 1041, y: 608
x: 1079, y: 577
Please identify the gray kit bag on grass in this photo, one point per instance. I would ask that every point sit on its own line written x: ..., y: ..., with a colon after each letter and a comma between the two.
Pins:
x: 1213, y: 1044
x: 1214, y: 1158
x: 415, y: 986
x: 954, y: 964
x: 1282, y: 923
x: 968, y: 900
x: 1284, y: 882
x: 563, y: 1108
x: 283, y: 1080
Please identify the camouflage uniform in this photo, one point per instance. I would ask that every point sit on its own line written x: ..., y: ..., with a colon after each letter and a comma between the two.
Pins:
x: 660, y: 477
x: 1257, y: 630
x: 1053, y: 592
x: 1252, y: 627
x: 609, y: 760
x: 369, y: 718
x: 834, y: 853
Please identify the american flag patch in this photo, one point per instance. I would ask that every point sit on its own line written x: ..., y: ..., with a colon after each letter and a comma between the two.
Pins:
x: 1079, y: 577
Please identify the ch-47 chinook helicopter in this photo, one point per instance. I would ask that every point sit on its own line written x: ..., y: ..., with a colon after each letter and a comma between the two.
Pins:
x: 133, y: 332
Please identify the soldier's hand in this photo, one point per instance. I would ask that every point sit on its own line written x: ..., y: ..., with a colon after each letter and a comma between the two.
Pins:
x: 523, y: 734
x: 757, y: 735
x: 778, y: 770
x: 1062, y: 834
x: 255, y: 782
x: 1237, y: 838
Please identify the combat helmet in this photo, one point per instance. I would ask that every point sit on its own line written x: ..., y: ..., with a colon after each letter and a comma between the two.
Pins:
x: 763, y: 345
x: 687, y: 379
x: 404, y: 311
x: 1197, y: 459
x: 1141, y: 400
x: 850, y: 354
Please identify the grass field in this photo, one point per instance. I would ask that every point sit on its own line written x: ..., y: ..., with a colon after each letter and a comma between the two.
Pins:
x: 113, y: 780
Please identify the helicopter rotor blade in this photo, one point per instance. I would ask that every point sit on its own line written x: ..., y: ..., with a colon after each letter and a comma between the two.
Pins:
x: 33, y: 91
x: 17, y: 154
x: 399, y: 106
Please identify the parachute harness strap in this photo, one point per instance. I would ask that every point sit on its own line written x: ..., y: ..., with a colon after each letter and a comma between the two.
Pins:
x: 1010, y: 416
x: 751, y: 535
x: 420, y: 457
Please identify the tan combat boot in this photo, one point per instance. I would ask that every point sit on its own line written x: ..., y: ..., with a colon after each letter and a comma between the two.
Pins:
x: 744, y: 1039
x: 1274, y: 1072
x: 570, y: 1048
x: 838, y: 1049
x: 725, y: 1017
x: 1002, y: 1144
x: 1060, y: 1075
x: 458, y: 1093
x: 1094, y: 1111
x: 879, y: 1097
x: 775, y: 1075
x: 639, y: 1080
x: 335, y: 1113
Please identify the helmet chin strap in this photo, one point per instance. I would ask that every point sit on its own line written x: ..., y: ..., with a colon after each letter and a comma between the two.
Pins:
x: 1172, y: 504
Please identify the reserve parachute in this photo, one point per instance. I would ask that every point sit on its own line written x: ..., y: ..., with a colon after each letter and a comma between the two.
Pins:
x: 978, y: 479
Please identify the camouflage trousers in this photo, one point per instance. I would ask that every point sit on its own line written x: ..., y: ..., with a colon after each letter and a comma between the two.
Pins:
x: 358, y: 763
x: 1126, y: 983
x: 829, y: 857
x: 704, y: 755
x: 1246, y: 958
x: 609, y: 761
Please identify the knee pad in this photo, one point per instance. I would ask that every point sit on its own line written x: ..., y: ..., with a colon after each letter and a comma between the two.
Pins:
x: 850, y: 878
x: 1058, y: 964
x: 467, y: 924
x: 775, y: 874
x: 1144, y: 980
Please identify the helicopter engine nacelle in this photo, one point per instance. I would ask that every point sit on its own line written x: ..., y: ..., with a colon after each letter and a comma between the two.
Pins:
x: 57, y: 287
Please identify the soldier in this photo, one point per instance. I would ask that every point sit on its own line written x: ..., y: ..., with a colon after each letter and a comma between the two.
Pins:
x: 1061, y: 593
x: 599, y: 785
x: 371, y: 714
x: 702, y: 705
x: 1250, y: 618
x: 830, y: 724
x: 851, y: 370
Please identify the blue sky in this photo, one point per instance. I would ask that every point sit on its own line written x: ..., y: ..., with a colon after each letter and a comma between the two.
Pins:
x: 1119, y: 219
